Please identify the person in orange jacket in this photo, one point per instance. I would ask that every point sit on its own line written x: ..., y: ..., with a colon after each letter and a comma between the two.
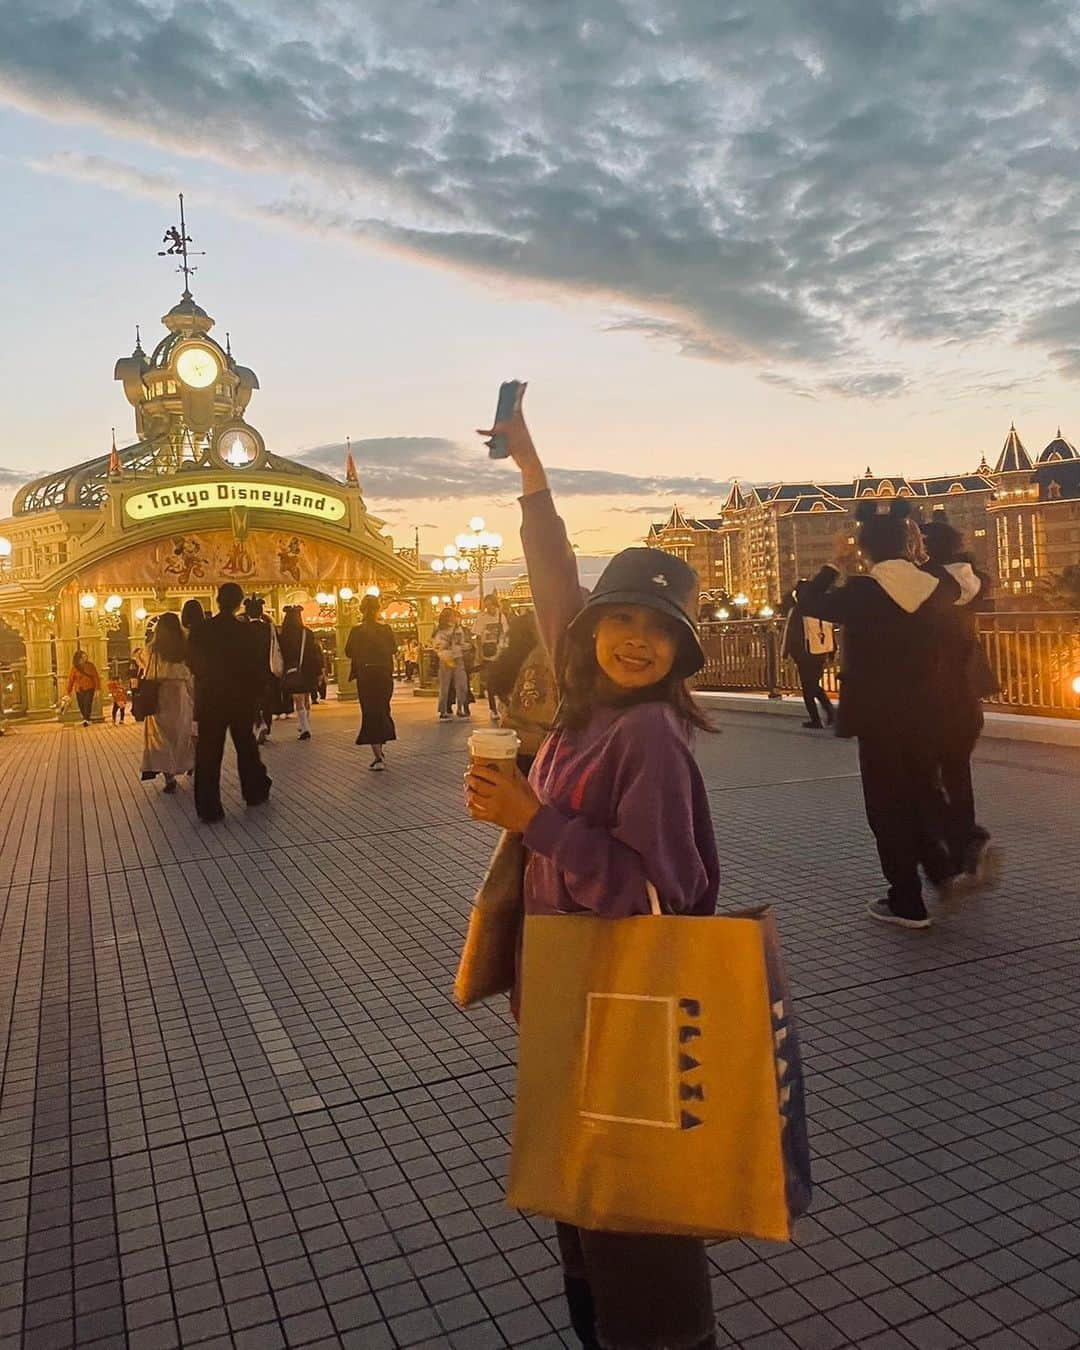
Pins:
x: 84, y: 682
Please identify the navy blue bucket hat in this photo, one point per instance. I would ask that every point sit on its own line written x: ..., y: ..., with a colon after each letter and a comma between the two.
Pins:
x: 656, y: 580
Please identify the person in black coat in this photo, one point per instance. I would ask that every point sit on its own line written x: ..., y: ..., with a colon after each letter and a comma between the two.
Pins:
x: 810, y: 664
x: 370, y: 647
x: 885, y: 691
x: 226, y: 660
x: 302, y: 658
x: 270, y: 695
x: 962, y: 678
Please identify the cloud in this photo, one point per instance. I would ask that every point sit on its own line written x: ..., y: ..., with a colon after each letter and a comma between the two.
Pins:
x: 15, y: 478
x: 790, y: 185
x: 428, y: 468
x: 106, y: 172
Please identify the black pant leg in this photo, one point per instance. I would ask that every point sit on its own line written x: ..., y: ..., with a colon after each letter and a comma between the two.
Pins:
x: 809, y: 686
x: 209, y: 747
x: 894, y: 814
x: 254, y: 780
x: 961, y: 829
x: 85, y: 699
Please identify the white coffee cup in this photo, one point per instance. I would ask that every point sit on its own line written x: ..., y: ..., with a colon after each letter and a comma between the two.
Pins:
x: 495, y: 746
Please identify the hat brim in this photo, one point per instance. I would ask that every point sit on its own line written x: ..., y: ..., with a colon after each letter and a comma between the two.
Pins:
x: 690, y: 657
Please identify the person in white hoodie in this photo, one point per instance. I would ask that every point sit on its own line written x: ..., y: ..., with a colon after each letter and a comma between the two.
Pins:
x: 886, y: 683
x: 962, y: 679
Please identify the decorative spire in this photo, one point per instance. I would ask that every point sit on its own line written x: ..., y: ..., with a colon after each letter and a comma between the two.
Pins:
x: 114, y: 458
x: 1013, y: 458
x: 138, y: 343
x: 178, y: 240
x: 228, y: 344
x: 350, y: 465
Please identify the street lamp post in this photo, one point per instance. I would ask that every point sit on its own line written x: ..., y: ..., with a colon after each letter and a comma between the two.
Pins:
x: 474, y: 551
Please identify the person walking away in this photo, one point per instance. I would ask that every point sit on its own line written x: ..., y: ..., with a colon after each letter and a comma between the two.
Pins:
x: 449, y: 644
x: 302, y: 660
x: 273, y: 665
x: 118, y: 694
x: 490, y: 635
x: 168, y: 743
x: 523, y: 681
x: 888, y: 618
x: 370, y: 648
x: 192, y: 616
x: 614, y: 803
x: 962, y: 679
x: 809, y: 642
x: 135, y: 666
x: 225, y: 658
x: 84, y: 682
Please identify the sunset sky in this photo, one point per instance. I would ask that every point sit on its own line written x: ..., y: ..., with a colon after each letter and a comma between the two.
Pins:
x: 758, y: 240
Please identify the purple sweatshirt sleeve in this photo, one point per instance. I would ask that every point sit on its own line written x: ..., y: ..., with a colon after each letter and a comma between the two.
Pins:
x: 553, y: 574
x: 605, y: 868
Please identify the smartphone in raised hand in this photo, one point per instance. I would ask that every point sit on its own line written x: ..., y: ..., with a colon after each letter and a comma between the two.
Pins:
x: 511, y: 393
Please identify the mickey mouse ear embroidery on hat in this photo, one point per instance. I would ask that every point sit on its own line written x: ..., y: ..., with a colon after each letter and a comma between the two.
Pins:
x: 660, y: 579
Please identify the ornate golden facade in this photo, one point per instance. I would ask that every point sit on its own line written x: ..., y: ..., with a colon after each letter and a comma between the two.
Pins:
x: 98, y: 549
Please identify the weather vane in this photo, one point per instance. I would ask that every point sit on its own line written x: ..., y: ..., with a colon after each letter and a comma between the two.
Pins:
x: 178, y: 240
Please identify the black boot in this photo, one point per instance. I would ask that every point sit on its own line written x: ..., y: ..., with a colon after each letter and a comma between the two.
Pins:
x: 579, y: 1300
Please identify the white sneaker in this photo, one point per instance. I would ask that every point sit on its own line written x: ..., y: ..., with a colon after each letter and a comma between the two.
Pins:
x: 880, y: 910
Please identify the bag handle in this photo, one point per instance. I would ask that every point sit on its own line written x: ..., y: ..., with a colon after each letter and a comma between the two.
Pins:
x: 655, y: 907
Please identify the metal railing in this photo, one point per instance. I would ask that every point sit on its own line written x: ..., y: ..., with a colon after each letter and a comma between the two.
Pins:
x: 1035, y: 656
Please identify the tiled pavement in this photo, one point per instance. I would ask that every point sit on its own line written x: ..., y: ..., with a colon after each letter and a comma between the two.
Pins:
x: 239, y: 1109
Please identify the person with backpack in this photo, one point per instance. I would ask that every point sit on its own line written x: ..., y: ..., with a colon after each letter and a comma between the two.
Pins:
x: 614, y: 804
x: 808, y: 643
x: 886, y: 685
x: 302, y: 660
x: 962, y: 679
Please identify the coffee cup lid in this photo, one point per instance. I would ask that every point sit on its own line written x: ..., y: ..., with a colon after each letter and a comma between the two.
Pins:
x: 494, y: 743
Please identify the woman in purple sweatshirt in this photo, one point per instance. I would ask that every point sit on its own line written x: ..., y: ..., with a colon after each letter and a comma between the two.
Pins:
x: 614, y: 802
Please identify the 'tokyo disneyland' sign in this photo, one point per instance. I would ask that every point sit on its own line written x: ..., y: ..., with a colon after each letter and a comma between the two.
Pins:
x: 216, y: 494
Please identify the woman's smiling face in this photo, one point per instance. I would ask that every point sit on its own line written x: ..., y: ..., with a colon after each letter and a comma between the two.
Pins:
x: 635, y: 646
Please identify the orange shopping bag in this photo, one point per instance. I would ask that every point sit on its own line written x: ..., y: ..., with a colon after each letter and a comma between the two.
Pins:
x: 659, y: 1082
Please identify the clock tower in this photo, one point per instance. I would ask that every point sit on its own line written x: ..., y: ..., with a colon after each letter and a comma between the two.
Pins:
x: 190, y: 396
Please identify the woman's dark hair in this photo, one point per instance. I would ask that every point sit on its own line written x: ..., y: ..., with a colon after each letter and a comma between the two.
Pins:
x: 369, y: 608
x: 943, y: 541
x: 581, y: 686
x: 169, y: 641
x: 78, y: 658
x: 521, y: 639
x: 446, y: 619
x: 293, y: 620
x: 192, y: 614
x: 882, y: 537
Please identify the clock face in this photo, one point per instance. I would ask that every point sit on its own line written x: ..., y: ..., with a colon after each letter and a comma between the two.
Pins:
x: 238, y: 448
x: 198, y: 367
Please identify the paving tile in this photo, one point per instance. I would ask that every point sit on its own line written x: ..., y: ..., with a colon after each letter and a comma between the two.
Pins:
x: 266, y: 1125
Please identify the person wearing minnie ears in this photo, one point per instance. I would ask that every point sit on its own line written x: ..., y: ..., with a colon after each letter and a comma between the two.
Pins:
x: 886, y: 686
x: 963, y: 677
x: 614, y: 801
